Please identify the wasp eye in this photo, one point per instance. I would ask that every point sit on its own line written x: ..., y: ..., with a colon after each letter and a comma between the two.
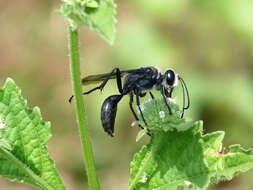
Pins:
x: 170, y: 79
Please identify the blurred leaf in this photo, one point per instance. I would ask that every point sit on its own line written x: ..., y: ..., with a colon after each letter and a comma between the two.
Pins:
x: 236, y: 13
x: 185, y: 159
x: 98, y: 15
x: 161, y: 9
x: 23, y: 152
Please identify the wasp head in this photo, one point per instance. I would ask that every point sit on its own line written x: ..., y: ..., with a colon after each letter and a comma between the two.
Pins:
x: 170, y: 79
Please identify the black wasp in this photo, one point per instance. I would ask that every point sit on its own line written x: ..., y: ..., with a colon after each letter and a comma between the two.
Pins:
x: 137, y: 82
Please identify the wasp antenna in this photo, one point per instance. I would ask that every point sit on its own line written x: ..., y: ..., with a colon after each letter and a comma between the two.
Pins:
x: 184, y: 88
x: 188, y: 95
x: 183, y: 97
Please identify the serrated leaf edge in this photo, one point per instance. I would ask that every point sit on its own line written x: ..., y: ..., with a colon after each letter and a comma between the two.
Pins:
x: 217, y: 137
x: 10, y: 82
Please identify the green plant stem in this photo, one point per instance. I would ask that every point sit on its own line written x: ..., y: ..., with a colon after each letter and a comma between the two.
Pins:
x: 37, y: 179
x: 79, y: 105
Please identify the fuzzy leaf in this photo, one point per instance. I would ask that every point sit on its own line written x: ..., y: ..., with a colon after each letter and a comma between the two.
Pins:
x: 23, y: 152
x: 184, y: 159
x: 98, y: 15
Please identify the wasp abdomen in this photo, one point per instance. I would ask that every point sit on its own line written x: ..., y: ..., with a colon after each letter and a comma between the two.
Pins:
x: 108, y: 113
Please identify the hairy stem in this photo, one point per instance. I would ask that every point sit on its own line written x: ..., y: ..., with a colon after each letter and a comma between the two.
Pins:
x: 79, y: 105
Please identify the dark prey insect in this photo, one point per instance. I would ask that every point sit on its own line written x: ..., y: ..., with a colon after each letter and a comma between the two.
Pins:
x: 137, y: 82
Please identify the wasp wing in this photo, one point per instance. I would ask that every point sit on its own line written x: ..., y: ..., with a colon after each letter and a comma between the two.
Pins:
x: 93, y: 79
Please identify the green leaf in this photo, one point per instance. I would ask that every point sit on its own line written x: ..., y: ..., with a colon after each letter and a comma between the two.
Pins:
x: 158, y: 117
x: 23, y: 153
x: 141, y: 134
x: 184, y: 158
x: 98, y: 15
x: 92, y: 4
x: 4, y: 144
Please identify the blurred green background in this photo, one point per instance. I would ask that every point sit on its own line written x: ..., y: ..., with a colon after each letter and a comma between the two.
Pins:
x: 209, y: 43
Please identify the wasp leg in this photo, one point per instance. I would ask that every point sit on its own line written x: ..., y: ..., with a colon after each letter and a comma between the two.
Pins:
x: 132, y: 109
x: 164, y: 98
x: 167, y: 93
x: 142, y: 94
x: 142, y: 116
x: 152, y: 96
x: 70, y: 99
x: 119, y: 83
